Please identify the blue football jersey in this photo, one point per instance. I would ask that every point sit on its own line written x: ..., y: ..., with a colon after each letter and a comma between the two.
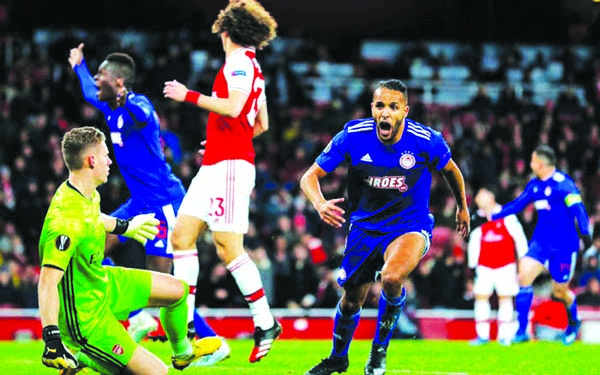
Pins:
x: 134, y: 132
x: 388, y: 185
x: 558, y: 204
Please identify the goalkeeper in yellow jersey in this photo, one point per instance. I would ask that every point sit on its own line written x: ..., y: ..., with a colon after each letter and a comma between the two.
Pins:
x: 81, y: 301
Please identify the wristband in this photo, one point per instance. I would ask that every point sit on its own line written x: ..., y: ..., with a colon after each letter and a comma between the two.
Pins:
x: 50, y: 332
x: 121, y: 226
x: 192, y: 97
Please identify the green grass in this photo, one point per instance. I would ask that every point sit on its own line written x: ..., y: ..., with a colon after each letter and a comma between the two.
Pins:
x: 426, y: 357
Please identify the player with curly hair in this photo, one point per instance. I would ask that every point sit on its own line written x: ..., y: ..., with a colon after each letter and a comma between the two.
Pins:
x: 219, y: 195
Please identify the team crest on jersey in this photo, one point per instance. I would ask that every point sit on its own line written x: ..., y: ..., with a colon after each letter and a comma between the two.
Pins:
x: 118, y: 349
x: 62, y: 242
x: 407, y: 160
x: 547, y: 191
x: 120, y: 122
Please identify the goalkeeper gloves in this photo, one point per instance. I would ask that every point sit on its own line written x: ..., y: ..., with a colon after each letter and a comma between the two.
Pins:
x: 142, y: 228
x: 56, y: 353
x: 587, y: 241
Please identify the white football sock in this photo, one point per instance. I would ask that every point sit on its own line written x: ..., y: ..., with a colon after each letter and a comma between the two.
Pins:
x: 482, y: 312
x: 505, y: 319
x: 247, y: 277
x: 186, y: 267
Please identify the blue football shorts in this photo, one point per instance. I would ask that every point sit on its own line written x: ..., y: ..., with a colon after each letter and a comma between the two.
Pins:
x: 559, y: 262
x: 363, y: 257
x: 160, y: 246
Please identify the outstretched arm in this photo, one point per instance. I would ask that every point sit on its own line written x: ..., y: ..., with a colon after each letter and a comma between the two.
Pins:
x: 515, y: 206
x: 456, y: 182
x: 141, y: 228
x: 229, y: 107
x: 327, y: 209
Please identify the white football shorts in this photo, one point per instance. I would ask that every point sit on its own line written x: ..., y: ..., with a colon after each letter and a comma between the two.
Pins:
x: 503, y: 280
x: 219, y: 195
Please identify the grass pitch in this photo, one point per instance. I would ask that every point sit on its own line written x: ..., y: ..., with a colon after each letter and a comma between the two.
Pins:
x: 425, y: 357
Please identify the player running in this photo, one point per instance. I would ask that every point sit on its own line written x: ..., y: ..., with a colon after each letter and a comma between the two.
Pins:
x: 390, y: 160
x: 555, y: 240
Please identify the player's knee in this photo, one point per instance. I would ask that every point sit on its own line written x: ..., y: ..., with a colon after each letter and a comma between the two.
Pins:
x: 559, y: 294
x: 392, y: 283
x: 179, y: 293
x: 159, y: 264
x: 182, y: 240
x: 349, y: 307
x: 524, y: 279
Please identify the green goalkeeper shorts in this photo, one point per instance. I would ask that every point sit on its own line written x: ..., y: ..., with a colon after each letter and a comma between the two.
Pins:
x: 108, y: 345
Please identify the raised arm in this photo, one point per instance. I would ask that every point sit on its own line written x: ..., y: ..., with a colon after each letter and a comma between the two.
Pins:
x: 86, y: 80
x: 456, y: 183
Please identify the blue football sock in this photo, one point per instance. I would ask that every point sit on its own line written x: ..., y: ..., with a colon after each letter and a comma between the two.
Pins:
x: 202, y: 327
x: 523, y: 305
x: 572, y: 312
x: 387, y: 317
x: 343, y: 330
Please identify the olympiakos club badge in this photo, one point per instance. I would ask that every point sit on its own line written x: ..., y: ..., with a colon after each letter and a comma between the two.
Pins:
x: 118, y: 349
x: 407, y: 161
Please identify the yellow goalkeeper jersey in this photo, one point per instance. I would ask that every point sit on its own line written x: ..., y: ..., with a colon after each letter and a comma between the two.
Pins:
x: 72, y: 240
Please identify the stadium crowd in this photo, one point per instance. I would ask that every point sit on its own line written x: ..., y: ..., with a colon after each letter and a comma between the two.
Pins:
x: 491, y: 137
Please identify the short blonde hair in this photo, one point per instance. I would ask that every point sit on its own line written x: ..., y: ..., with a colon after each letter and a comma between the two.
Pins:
x: 76, y: 141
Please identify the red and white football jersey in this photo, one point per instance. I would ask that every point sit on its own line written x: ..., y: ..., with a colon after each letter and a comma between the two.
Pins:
x: 497, y: 243
x: 230, y: 138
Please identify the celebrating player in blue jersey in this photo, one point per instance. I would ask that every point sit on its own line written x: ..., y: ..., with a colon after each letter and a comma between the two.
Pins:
x: 134, y: 131
x: 555, y: 241
x: 390, y: 160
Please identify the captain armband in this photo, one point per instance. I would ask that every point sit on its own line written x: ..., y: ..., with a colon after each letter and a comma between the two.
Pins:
x: 572, y: 199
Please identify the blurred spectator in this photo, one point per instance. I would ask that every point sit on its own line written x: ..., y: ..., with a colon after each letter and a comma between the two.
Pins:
x: 491, y: 137
x: 590, y: 270
x: 303, y: 283
x: 328, y: 290
x: 591, y: 294
x: 447, y: 281
x: 408, y: 324
x: 9, y: 295
x: 259, y: 256
x: 218, y: 289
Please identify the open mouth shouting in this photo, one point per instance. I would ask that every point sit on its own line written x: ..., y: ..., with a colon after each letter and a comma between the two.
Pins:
x: 384, y: 129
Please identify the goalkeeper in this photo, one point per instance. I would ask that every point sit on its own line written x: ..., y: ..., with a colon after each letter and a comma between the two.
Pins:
x: 81, y: 301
